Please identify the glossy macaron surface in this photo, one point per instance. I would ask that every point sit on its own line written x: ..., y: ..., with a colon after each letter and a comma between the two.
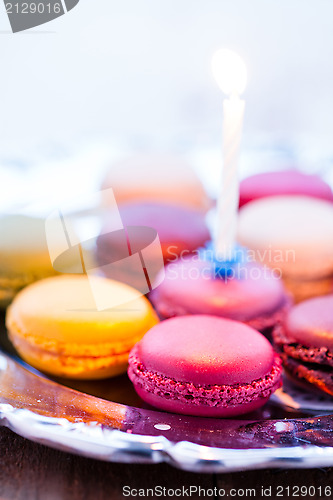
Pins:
x: 310, y: 323
x: 56, y: 325
x: 64, y: 308
x: 205, y: 366
x: 183, y: 228
x: 293, y: 233
x: 305, y: 343
x: 206, y: 350
x: 179, y: 229
x: 190, y: 288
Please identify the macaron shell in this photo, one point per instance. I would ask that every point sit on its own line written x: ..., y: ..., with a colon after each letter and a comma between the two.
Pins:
x: 287, y: 346
x: 306, y: 289
x: 206, y: 350
x: 291, y: 233
x: 157, y: 178
x: 63, y: 309
x: 24, y: 254
x: 189, y: 288
x: 305, y: 343
x: 23, y: 248
x: 197, y: 410
x: 179, y: 229
x: 291, y: 181
x: 169, y: 220
x: 309, y: 378
x: 59, y: 364
x: 310, y: 323
x: 55, y: 326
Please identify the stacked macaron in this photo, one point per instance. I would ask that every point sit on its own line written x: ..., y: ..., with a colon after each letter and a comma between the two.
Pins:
x: 208, y: 357
x: 294, y: 235
x: 286, y: 219
x: 211, y: 308
x: 283, y: 182
x: 305, y: 342
x: 290, y: 213
x: 164, y: 194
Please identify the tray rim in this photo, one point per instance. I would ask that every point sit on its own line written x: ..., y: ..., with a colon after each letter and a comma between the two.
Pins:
x: 114, y: 445
x: 111, y: 444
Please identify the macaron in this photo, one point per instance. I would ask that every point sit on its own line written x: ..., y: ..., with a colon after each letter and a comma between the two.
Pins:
x: 305, y: 342
x: 180, y: 230
x: 24, y: 255
x: 293, y: 234
x: 156, y: 178
x: 253, y: 295
x: 55, y: 326
x: 204, y: 366
x: 276, y: 183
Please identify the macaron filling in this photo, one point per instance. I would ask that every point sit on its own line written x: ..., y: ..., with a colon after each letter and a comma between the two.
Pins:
x: 55, y: 326
x: 266, y: 320
x: 72, y: 365
x: 222, y: 396
x: 317, y: 355
x: 305, y: 341
x: 309, y: 364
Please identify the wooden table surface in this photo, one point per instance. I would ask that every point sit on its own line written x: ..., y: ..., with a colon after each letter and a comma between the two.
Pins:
x: 32, y: 471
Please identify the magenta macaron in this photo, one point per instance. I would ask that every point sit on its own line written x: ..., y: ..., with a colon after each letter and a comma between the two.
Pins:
x: 205, y: 366
x: 180, y: 229
x: 291, y: 182
x: 255, y: 296
x: 305, y: 341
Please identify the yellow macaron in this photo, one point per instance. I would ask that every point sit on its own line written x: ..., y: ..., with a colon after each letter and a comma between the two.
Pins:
x: 56, y: 326
x: 24, y: 254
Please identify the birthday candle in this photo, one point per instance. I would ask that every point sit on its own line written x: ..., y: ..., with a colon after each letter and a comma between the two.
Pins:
x: 230, y: 73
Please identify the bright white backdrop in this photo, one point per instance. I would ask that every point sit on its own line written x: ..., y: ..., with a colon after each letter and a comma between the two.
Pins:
x: 137, y: 73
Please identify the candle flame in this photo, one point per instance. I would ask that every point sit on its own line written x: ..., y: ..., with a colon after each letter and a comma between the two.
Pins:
x: 229, y: 71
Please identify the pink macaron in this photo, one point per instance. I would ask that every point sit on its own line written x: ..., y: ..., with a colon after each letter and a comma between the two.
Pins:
x: 205, y: 366
x: 291, y: 182
x: 305, y: 341
x: 254, y: 295
x: 180, y: 229
x: 295, y: 235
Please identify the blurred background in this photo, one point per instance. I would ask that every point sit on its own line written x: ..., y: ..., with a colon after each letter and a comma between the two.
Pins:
x: 110, y: 78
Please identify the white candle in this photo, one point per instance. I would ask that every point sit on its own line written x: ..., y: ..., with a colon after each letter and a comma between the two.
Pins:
x: 230, y: 73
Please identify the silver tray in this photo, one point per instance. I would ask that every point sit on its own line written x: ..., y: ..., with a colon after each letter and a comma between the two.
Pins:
x: 107, y: 421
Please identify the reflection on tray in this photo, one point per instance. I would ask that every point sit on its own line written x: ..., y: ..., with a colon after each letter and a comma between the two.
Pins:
x: 120, y: 390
